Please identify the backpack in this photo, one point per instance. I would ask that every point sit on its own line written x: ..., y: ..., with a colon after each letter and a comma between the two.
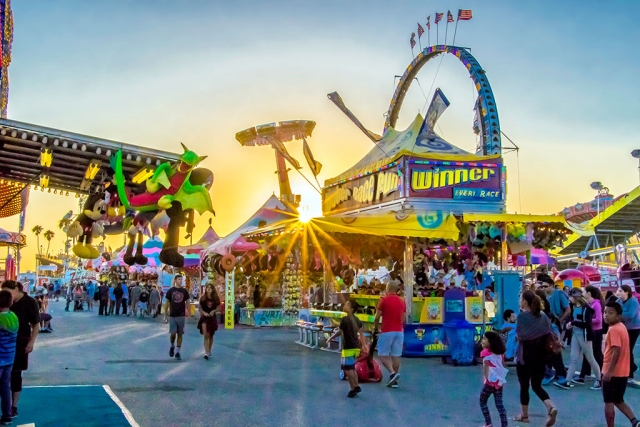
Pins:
x: 144, y: 296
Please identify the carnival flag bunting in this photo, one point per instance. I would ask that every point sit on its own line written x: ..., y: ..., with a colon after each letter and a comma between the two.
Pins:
x: 449, y: 16
x: 429, y: 30
x: 439, y: 17
x: 412, y: 40
x: 420, y: 31
x: 464, y: 14
x: 429, y: 22
x: 314, y: 165
x: 280, y: 148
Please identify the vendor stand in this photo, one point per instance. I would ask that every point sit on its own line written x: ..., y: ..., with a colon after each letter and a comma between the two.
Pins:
x: 413, y: 202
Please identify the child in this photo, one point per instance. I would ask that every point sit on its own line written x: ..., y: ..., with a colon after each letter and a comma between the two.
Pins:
x: 8, y: 336
x: 508, y: 334
x: 495, y: 375
x: 615, y: 369
x: 350, y: 326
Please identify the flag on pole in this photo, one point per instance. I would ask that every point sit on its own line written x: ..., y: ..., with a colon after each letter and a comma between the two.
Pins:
x: 439, y: 17
x: 449, y: 16
x: 412, y: 40
x: 429, y: 22
x: 280, y: 148
x: 314, y: 165
x: 420, y: 30
x: 464, y: 14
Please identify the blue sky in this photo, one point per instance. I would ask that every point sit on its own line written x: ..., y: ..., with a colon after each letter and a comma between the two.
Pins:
x: 157, y: 73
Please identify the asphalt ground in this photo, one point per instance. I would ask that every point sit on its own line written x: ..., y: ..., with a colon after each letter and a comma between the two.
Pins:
x: 260, y: 377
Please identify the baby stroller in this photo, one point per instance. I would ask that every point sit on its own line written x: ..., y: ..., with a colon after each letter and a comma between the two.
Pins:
x: 367, y: 368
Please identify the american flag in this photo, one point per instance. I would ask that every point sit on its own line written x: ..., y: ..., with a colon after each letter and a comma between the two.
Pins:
x: 420, y: 30
x: 413, y: 40
x: 429, y: 22
x: 464, y: 14
x: 449, y: 16
x: 439, y: 17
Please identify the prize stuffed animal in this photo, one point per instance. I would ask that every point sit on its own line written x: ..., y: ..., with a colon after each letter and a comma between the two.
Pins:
x: 87, y: 226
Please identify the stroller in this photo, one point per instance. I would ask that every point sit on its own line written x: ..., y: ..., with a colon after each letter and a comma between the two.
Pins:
x: 367, y: 368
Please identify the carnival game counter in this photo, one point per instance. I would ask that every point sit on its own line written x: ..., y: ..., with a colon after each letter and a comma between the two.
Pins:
x: 266, y: 317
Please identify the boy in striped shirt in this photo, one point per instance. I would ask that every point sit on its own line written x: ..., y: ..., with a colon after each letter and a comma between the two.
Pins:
x: 8, y: 337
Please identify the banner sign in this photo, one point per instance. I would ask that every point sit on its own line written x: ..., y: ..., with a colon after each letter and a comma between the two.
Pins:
x: 425, y: 340
x: 432, y: 310
x: 456, y: 181
x: 368, y: 190
x: 474, y: 309
x: 229, y: 300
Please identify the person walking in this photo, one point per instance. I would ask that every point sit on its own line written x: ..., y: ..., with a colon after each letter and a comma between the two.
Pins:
x: 581, y: 324
x: 208, y: 323
x: 630, y: 319
x: 495, y: 376
x: 350, y: 328
x: 594, y: 297
x: 615, y: 369
x: 69, y: 296
x: 118, y: 292
x: 103, y: 289
x: 9, y: 325
x: 26, y: 309
x: 533, y: 330
x: 125, y: 298
x: 112, y: 298
x: 176, y: 307
x: 154, y: 301
x: 134, y: 294
x: 392, y: 309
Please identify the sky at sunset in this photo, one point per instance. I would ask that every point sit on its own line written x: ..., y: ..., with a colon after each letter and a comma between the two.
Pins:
x: 157, y: 73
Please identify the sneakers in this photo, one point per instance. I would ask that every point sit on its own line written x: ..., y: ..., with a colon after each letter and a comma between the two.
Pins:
x: 5, y: 421
x: 14, y: 412
x: 393, y: 380
x: 178, y: 356
x: 206, y: 356
x: 547, y: 380
x: 352, y: 393
x: 633, y: 382
x: 596, y: 386
x: 563, y: 385
x: 357, y: 389
x: 578, y: 380
x: 171, y: 351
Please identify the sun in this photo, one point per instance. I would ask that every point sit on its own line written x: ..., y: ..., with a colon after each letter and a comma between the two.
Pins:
x: 305, y: 216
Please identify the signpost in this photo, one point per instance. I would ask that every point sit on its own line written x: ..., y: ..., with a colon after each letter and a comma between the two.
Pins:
x: 229, y: 281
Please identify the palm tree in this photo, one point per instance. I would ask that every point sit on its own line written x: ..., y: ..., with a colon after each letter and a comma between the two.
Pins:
x: 37, y: 230
x: 49, y: 235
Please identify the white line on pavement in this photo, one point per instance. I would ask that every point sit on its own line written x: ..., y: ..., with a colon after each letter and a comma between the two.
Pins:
x: 123, y: 408
x: 139, y: 340
x: 94, y: 336
x: 173, y: 371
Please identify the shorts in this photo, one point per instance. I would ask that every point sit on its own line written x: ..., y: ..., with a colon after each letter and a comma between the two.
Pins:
x: 45, y: 317
x: 613, y: 391
x: 390, y: 344
x: 176, y: 325
x: 348, y: 361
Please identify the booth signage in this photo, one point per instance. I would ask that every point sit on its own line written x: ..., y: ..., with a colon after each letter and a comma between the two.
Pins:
x: 478, y: 182
x: 366, y: 191
x: 425, y: 340
x: 432, y: 310
x: 474, y: 309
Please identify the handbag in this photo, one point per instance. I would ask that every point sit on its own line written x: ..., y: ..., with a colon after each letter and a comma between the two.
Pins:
x: 553, y: 344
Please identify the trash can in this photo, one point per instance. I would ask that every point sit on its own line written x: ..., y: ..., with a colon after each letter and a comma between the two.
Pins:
x: 461, y: 338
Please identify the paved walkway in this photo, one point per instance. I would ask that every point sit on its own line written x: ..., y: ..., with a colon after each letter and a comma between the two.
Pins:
x: 260, y: 377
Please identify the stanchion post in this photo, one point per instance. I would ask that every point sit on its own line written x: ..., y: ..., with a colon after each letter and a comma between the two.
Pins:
x: 408, y: 279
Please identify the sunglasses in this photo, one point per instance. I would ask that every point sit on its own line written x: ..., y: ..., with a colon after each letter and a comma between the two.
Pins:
x: 543, y: 285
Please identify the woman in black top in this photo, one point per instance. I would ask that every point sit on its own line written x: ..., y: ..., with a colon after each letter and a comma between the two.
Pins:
x: 208, y: 324
x: 532, y: 329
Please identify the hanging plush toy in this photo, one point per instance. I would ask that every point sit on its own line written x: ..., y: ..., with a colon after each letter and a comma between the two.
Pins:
x: 178, y: 190
x: 87, y: 226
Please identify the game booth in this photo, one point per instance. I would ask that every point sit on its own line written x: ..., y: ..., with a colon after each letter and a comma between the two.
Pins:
x: 416, y: 206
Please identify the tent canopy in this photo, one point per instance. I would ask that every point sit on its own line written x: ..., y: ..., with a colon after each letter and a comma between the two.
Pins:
x: 272, y: 211
x: 418, y: 140
x: 207, y: 239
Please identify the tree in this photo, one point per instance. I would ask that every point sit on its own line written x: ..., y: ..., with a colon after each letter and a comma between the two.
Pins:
x: 49, y: 235
x: 37, y: 230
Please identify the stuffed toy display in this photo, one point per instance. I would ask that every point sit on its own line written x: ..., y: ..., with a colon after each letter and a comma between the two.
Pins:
x: 175, y: 191
x: 87, y: 226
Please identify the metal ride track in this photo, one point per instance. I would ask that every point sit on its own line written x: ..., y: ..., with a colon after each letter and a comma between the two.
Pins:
x: 490, y: 137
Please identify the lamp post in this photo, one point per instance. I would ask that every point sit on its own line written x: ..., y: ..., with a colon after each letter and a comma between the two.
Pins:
x: 636, y: 155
